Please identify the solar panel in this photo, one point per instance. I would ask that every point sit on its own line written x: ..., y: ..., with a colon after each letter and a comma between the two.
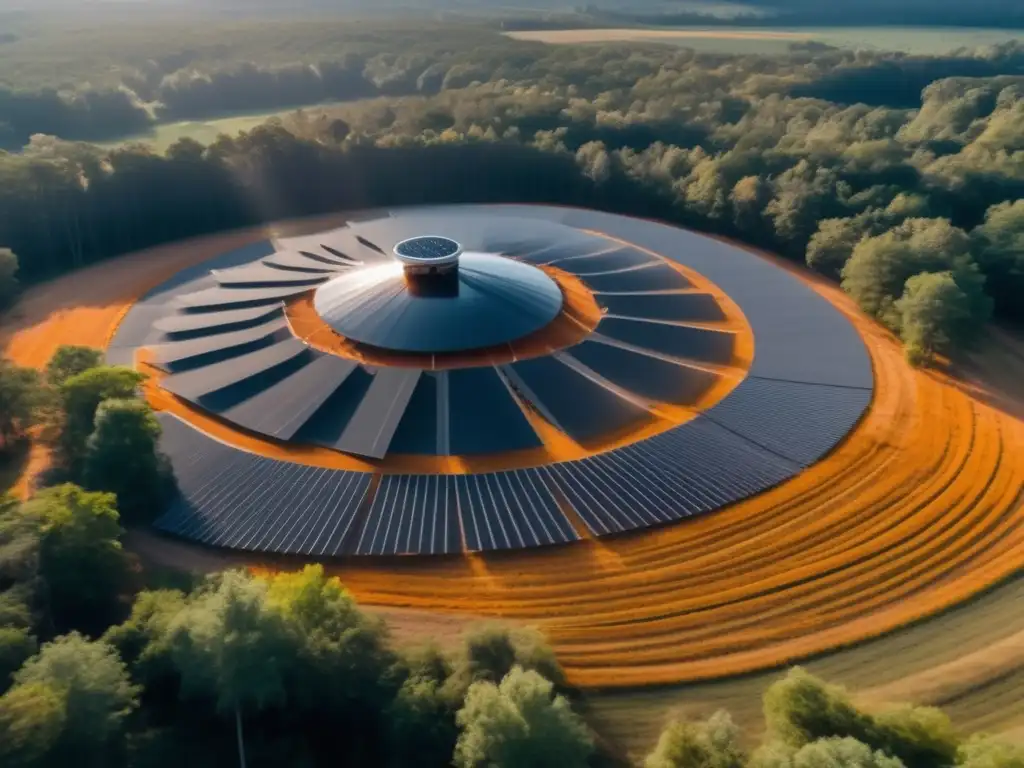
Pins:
x: 649, y: 377
x: 231, y: 498
x: 412, y: 514
x: 237, y: 298
x: 264, y: 276
x: 484, y: 418
x: 427, y: 248
x: 801, y: 422
x: 228, y: 398
x: 417, y: 431
x: 280, y: 410
x: 577, y: 405
x: 694, y: 468
x: 222, y: 343
x: 810, y: 382
x: 342, y: 257
x: 374, y: 422
x: 304, y: 263
x: 188, y: 324
x: 679, y: 307
x: 799, y: 336
x: 659, y: 277
x: 600, y: 263
x: 195, y: 383
x: 330, y: 419
x: 673, y: 340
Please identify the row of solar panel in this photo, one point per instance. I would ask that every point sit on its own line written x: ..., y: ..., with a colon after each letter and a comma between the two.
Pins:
x: 269, y: 382
x: 799, y: 335
x: 235, y: 499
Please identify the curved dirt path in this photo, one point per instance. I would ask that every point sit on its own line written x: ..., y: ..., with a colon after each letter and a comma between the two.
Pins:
x: 917, y: 511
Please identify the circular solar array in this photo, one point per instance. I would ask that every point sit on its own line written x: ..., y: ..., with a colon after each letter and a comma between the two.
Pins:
x: 655, y: 410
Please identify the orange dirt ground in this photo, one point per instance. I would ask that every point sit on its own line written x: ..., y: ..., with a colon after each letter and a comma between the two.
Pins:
x: 918, y: 510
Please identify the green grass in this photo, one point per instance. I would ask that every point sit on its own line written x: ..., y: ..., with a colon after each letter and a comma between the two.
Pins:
x: 160, y: 137
x: 766, y: 40
x: 631, y: 720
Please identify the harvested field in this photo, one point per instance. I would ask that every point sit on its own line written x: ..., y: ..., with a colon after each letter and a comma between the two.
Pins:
x: 917, y: 511
x: 773, y: 40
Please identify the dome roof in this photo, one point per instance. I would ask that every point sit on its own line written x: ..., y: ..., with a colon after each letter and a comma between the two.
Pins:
x: 489, y: 300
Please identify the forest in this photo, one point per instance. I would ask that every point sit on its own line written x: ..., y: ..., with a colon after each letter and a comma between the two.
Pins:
x: 916, y: 208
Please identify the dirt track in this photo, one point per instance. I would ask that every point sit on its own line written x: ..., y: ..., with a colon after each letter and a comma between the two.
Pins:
x: 917, y: 511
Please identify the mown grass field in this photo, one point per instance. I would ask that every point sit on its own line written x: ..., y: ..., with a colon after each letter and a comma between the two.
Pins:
x: 769, y: 40
x: 163, y: 135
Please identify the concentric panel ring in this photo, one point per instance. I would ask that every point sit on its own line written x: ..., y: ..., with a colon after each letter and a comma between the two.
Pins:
x: 660, y: 340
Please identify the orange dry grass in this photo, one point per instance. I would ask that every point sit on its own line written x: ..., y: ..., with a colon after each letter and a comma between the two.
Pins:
x: 917, y: 510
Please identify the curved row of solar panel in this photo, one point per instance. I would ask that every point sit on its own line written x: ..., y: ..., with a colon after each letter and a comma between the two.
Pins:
x: 232, y: 498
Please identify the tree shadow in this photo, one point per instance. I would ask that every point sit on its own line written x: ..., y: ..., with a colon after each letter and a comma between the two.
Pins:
x: 13, y: 462
x: 993, y: 372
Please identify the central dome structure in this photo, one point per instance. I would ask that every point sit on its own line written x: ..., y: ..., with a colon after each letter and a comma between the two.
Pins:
x: 434, y: 298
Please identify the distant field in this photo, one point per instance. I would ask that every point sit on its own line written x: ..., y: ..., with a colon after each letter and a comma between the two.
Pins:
x: 920, y: 40
x: 204, y: 131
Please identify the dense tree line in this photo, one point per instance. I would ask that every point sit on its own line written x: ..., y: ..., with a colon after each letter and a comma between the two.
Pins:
x: 872, y: 196
x: 178, y: 87
x: 274, y: 670
x: 285, y: 669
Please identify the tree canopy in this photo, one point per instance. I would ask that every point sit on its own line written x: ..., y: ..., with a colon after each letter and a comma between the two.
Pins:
x: 20, y: 401
x: 800, y: 710
x: 76, y: 694
x: 520, y: 722
x: 82, y: 394
x: 79, y: 534
x: 878, y: 270
x: 9, y: 285
x: 999, y: 244
x: 934, y: 315
x: 712, y: 744
x: 122, y: 457
x: 70, y: 360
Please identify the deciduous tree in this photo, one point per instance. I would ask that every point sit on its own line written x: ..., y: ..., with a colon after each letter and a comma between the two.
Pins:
x: 20, y: 398
x: 520, y: 722
x: 879, y: 267
x: 999, y: 244
x: 712, y: 744
x: 79, y: 536
x: 122, y: 456
x: 81, y: 395
x: 935, y: 316
x: 78, y: 693
x: 70, y: 360
x: 9, y: 285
